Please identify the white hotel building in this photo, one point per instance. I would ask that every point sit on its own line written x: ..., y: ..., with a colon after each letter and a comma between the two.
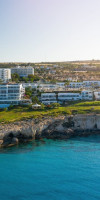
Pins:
x: 91, y: 83
x: 63, y: 97
x: 48, y: 98
x: 97, y: 95
x: 5, y: 74
x: 11, y: 94
x: 87, y: 95
x: 75, y: 85
x: 23, y: 71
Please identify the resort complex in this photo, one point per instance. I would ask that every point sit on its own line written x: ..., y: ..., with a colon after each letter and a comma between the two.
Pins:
x: 20, y: 85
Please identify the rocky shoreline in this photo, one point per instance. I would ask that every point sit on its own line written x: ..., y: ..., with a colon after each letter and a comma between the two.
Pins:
x: 62, y: 127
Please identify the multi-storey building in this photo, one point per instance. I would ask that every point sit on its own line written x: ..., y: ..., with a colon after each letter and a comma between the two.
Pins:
x: 97, y: 95
x: 91, y: 83
x: 23, y: 71
x: 87, y: 95
x: 5, y: 74
x: 31, y: 85
x: 11, y: 94
x: 47, y: 87
x: 86, y: 84
x: 63, y: 97
x: 75, y: 85
x: 48, y: 98
x: 60, y: 97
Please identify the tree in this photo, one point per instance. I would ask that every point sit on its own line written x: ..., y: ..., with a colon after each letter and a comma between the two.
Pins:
x: 53, y: 81
x: 25, y: 79
x: 33, y: 78
x: 42, y: 106
x: 67, y: 82
x: 15, y: 77
x: 28, y: 91
x: 35, y: 99
x: 1, y: 81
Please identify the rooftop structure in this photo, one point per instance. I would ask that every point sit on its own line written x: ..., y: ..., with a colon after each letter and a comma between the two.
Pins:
x: 36, y: 106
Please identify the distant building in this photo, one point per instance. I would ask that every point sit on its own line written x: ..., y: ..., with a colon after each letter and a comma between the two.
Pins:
x: 60, y: 84
x: 91, y: 83
x: 5, y: 74
x: 88, y: 66
x: 72, y: 79
x: 75, y: 84
x: 23, y: 71
x: 55, y: 66
x: 42, y: 67
x: 52, y: 72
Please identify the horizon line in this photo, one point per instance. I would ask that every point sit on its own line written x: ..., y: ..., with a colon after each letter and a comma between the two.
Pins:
x: 41, y: 62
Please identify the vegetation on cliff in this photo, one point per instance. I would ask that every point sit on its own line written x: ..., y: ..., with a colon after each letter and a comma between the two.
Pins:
x: 20, y: 113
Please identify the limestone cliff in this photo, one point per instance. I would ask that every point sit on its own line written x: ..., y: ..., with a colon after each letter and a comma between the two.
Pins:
x: 49, y: 127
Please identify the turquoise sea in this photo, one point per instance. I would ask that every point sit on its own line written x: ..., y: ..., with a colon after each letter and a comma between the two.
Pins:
x: 51, y: 170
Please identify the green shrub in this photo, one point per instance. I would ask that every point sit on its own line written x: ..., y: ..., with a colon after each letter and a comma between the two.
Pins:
x: 74, y: 112
x: 5, y: 109
x: 10, y: 107
x: 55, y: 105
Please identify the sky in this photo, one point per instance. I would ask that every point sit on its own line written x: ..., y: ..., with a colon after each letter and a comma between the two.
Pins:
x: 49, y: 30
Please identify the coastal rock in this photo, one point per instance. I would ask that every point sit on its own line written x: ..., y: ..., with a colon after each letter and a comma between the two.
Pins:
x: 1, y: 142
x: 61, y: 127
x: 14, y: 141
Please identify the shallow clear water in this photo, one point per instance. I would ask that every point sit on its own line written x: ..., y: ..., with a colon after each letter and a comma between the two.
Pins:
x: 51, y: 170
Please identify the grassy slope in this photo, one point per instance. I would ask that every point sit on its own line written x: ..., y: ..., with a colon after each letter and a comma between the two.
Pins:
x: 76, y: 108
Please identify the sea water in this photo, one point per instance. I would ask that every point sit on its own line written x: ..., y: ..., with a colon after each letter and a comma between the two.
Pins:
x: 51, y: 170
